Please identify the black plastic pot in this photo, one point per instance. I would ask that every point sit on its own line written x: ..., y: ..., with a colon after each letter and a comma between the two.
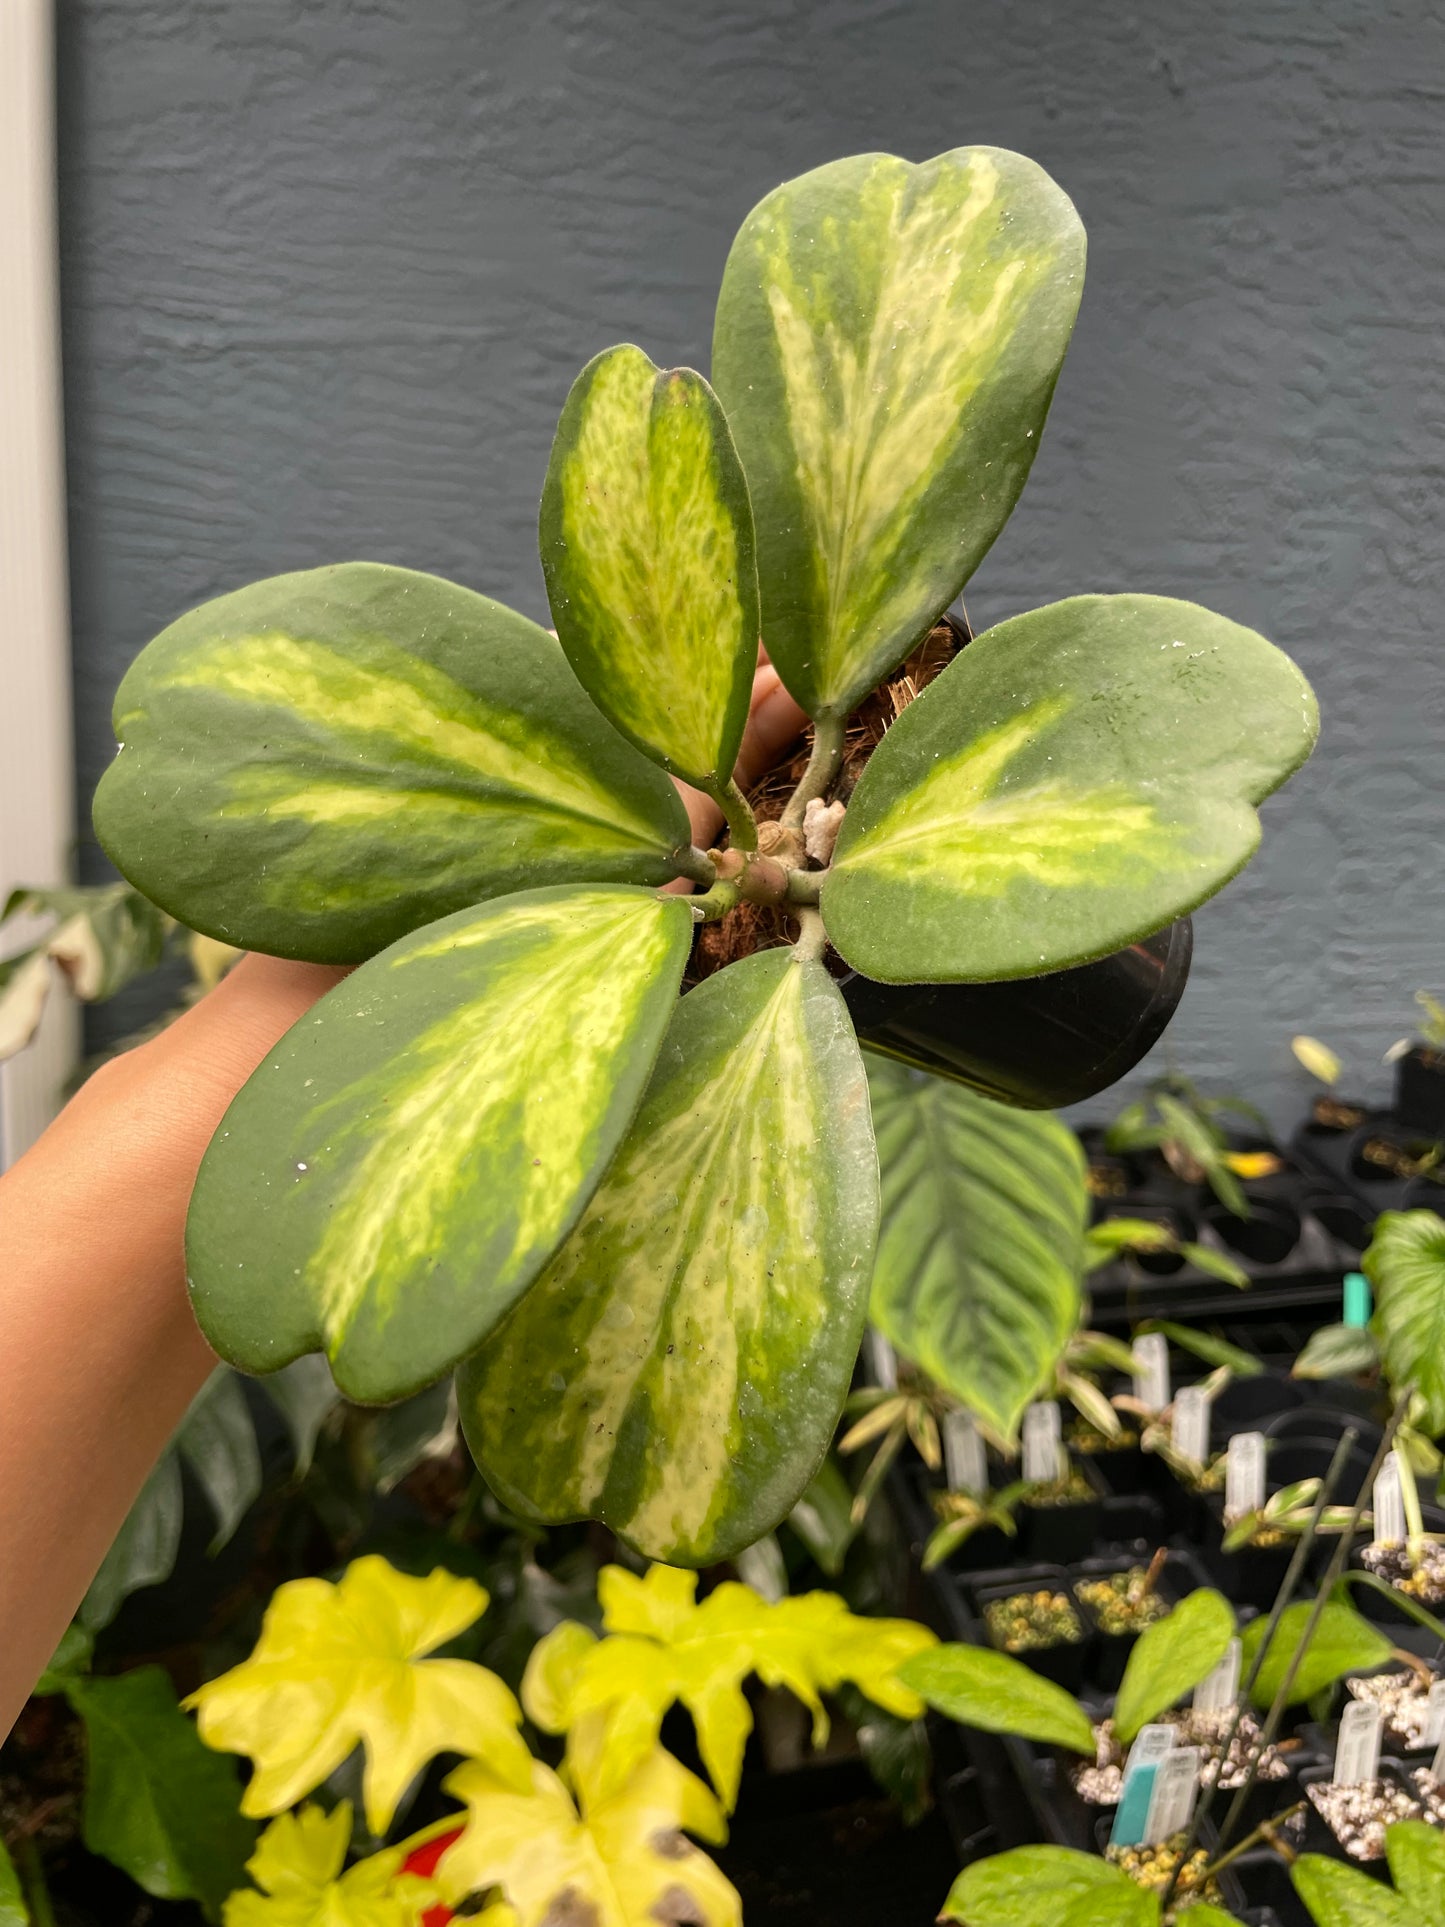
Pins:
x: 1061, y: 1535
x: 1266, y: 1237
x: 1253, y: 1575
x: 1109, y: 1654
x: 1066, y: 1663
x: 1320, y: 1838
x: 1036, y: 1042
x: 1231, y: 1893
x: 1248, y: 1404
x: 1420, y: 1090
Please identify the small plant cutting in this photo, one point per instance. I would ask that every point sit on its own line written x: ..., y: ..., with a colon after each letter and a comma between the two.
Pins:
x: 648, y: 1225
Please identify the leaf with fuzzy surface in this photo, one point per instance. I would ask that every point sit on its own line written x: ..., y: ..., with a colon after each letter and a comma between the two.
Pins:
x: 1342, y: 1643
x: 345, y: 1665
x: 1075, y: 779
x: 678, y: 1370
x: 647, y: 547
x: 997, y: 1694
x: 1171, y: 1657
x: 1406, y: 1265
x: 1035, y: 1885
x: 888, y: 338
x: 412, y: 1152
x: 1341, y: 1896
x: 980, y: 1247
x: 321, y: 762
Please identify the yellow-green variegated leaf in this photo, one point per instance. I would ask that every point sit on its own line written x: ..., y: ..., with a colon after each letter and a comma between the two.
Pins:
x: 981, y: 1247
x: 888, y: 338
x: 647, y: 547
x: 413, y: 1151
x: 317, y: 764
x: 1078, y: 777
x: 678, y: 1370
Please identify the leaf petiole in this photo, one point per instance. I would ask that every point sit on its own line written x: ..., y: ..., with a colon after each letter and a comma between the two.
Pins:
x: 822, y: 771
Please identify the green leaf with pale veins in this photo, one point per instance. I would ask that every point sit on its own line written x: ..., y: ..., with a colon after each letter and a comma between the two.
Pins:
x: 319, y: 763
x: 647, y: 547
x: 1076, y: 778
x: 997, y: 1694
x: 1171, y: 1657
x: 1341, y: 1896
x: 678, y: 1370
x: 888, y: 338
x: 1337, y: 1351
x: 981, y: 1246
x: 1031, y: 1886
x: 1406, y: 1265
x: 413, y: 1151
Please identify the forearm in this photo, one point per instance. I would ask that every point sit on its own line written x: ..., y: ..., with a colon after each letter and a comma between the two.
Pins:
x: 99, y: 1354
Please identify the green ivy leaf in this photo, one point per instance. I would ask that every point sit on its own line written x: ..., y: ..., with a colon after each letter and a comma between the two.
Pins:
x: 979, y: 1255
x: 1076, y: 778
x: 1055, y: 1884
x: 143, y: 1552
x: 159, y: 1804
x: 888, y: 338
x: 678, y: 1370
x: 1416, y: 1853
x: 1343, y: 1643
x: 997, y: 1694
x: 1337, y: 1351
x: 414, y: 1150
x: 319, y: 763
x: 1406, y: 1265
x: 1341, y: 1896
x: 647, y: 547
x: 13, y: 1911
x: 1171, y: 1657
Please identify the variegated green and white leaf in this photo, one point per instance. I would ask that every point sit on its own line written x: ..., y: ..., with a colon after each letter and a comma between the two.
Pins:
x: 100, y: 936
x: 888, y: 339
x: 414, y: 1150
x: 679, y: 1368
x: 1406, y: 1265
x: 1076, y: 778
x: 647, y: 547
x: 321, y: 762
x: 981, y: 1247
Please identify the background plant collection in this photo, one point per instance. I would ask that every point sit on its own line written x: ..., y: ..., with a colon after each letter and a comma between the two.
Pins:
x: 504, y: 1197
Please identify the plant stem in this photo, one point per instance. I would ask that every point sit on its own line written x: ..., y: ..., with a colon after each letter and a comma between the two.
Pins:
x: 696, y: 865
x: 822, y: 770
x: 32, y: 1880
x: 716, y: 902
x: 1264, y: 1831
x: 812, y: 937
x: 742, y: 824
x: 805, y: 886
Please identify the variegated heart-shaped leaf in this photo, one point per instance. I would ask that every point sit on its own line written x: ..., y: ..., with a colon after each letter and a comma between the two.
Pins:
x: 678, y: 1370
x: 321, y: 762
x: 981, y: 1247
x: 415, y: 1149
x: 647, y: 547
x: 888, y: 338
x: 1078, y: 777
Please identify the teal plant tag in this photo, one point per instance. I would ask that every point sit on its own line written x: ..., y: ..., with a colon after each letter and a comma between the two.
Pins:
x: 1131, y: 1818
x: 1358, y: 1302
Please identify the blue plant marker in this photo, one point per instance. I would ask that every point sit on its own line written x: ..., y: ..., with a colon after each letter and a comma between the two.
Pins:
x: 1131, y: 1816
x: 1358, y: 1301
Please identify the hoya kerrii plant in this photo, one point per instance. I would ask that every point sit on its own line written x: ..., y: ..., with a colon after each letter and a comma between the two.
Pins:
x: 647, y: 1225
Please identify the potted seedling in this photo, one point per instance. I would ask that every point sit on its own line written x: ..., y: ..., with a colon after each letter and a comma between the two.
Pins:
x: 1420, y: 1070
x: 648, y: 1225
x: 1189, y: 1133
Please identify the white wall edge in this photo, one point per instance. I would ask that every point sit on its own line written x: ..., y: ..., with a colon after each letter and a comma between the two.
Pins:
x: 36, y: 765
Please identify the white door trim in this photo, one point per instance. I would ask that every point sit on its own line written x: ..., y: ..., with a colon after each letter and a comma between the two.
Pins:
x: 36, y: 768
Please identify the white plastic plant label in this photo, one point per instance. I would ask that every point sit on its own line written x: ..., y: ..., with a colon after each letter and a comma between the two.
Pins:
x: 1176, y: 1788
x: 1218, y: 1693
x: 1357, y: 1754
x: 1151, y: 1380
x: 1043, y: 1443
x: 883, y: 1360
x: 1244, y: 1475
x: 1437, y: 1765
x: 1435, y: 1714
x: 1189, y: 1433
x: 1389, y: 1503
x: 964, y: 1462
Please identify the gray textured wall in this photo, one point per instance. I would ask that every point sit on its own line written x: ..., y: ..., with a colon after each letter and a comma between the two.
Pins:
x: 330, y: 265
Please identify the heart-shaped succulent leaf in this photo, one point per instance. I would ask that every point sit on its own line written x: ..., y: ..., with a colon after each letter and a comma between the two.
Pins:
x: 888, y: 338
x: 981, y: 1246
x: 647, y: 547
x: 678, y: 1371
x: 414, y: 1150
x: 1076, y: 778
x: 321, y: 762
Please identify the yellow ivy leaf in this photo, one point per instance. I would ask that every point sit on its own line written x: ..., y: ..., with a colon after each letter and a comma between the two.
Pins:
x: 617, y: 1858
x: 337, y: 1666
x: 1252, y: 1164
x: 297, y: 1863
x: 663, y: 1646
